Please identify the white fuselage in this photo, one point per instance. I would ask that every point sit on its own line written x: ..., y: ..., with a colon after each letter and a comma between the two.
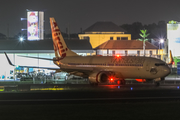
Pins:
x: 124, y: 67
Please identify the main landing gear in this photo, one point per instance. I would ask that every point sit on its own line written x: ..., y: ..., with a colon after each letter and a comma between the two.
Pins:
x: 94, y: 84
x: 159, y: 80
x: 157, y: 84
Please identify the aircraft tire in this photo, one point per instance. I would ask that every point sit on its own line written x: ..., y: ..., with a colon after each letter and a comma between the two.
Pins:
x: 94, y: 84
x: 122, y: 82
x: 157, y: 84
x: 162, y: 79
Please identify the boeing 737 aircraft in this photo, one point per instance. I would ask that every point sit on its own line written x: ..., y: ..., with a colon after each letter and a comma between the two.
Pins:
x: 103, y: 69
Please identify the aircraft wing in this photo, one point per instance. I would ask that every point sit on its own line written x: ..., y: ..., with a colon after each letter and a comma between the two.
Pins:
x: 9, y: 61
x: 39, y: 58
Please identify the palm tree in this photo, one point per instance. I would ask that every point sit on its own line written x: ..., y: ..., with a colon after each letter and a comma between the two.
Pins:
x: 144, y: 36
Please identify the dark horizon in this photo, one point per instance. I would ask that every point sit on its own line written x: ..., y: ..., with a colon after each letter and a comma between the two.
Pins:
x: 83, y: 13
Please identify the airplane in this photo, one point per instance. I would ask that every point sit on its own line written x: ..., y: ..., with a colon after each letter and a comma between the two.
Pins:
x: 104, y: 69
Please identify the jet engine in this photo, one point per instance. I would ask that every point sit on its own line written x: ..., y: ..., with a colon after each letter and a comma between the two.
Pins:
x: 100, y: 77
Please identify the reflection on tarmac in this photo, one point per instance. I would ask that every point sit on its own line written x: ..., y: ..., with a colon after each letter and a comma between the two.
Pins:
x: 84, y: 87
x: 83, y: 84
x: 85, y: 92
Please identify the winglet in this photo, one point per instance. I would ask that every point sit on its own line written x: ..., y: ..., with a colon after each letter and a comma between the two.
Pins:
x: 171, y: 59
x: 8, y: 59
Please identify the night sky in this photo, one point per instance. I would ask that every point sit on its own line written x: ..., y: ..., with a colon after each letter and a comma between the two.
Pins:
x: 83, y: 13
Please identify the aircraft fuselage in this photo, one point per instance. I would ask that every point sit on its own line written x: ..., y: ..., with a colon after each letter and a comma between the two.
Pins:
x: 124, y: 66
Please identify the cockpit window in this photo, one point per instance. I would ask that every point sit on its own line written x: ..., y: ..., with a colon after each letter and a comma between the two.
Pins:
x: 160, y: 64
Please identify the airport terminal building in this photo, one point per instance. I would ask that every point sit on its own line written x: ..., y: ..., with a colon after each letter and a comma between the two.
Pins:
x: 15, y: 49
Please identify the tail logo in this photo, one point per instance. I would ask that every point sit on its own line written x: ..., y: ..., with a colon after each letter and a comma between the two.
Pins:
x: 57, y: 42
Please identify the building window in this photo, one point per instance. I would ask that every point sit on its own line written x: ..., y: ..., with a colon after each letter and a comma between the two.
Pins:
x: 126, y: 53
x: 150, y: 52
x: 118, y: 38
x: 138, y: 53
x: 111, y: 38
x: 124, y: 38
x: 113, y: 53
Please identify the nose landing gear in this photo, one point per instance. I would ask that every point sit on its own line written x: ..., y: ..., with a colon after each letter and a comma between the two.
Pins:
x: 157, y: 83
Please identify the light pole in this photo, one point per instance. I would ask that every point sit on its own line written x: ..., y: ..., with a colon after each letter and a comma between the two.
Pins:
x: 160, y: 41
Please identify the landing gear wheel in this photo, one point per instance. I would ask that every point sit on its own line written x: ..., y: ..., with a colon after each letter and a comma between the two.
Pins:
x: 94, y: 84
x: 157, y: 84
x: 162, y: 79
x: 121, y: 82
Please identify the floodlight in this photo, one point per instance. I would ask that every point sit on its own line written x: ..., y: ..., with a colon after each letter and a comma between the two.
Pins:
x: 161, y: 40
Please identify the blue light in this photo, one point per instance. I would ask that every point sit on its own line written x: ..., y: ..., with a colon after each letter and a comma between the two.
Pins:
x: 23, y: 29
x: 177, y: 87
x: 119, y: 87
x: 131, y: 88
x: 23, y: 19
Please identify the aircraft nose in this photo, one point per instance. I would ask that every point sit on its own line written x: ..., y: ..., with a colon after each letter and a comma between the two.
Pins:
x: 167, y: 70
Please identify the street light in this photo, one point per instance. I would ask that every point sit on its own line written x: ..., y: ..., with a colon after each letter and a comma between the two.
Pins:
x: 160, y: 41
x: 21, y: 38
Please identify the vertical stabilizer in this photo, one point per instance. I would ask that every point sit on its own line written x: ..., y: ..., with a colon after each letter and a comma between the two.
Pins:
x: 171, y: 62
x: 60, y: 47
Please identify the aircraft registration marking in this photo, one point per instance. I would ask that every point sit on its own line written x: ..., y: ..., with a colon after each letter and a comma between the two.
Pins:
x: 127, y: 60
x: 100, y: 64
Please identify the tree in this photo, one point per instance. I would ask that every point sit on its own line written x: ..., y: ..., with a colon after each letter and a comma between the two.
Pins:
x: 133, y: 29
x: 144, y: 36
x: 156, y: 30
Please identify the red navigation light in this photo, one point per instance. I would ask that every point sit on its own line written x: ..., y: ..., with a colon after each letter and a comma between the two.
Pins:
x: 111, y: 79
x: 117, y: 55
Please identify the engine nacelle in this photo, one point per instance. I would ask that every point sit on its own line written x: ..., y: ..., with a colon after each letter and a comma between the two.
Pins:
x: 99, y: 77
